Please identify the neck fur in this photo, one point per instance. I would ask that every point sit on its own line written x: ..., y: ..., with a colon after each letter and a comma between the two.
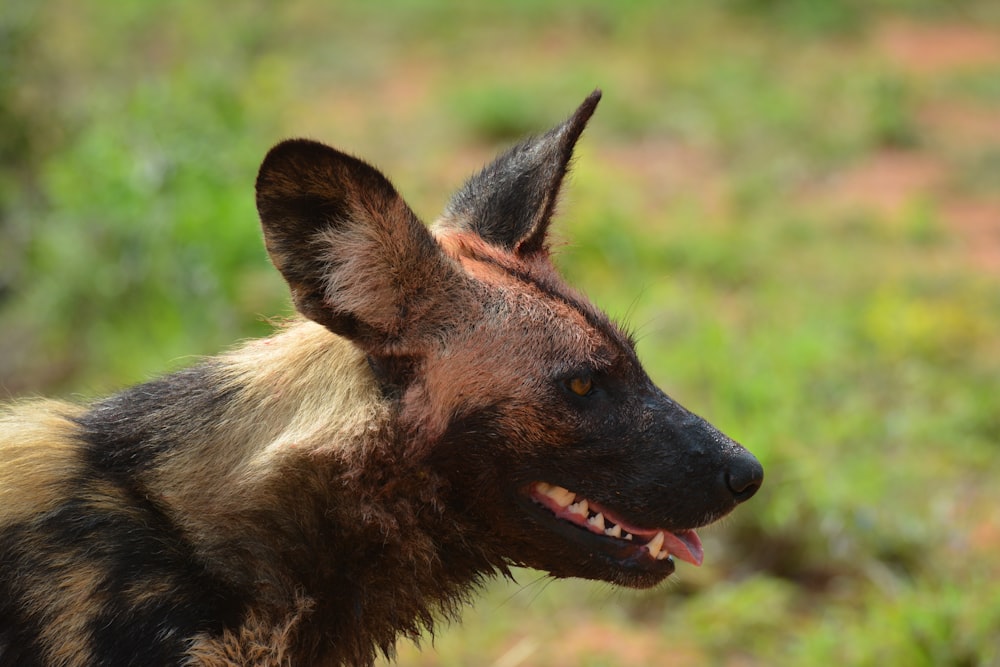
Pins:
x: 323, y: 513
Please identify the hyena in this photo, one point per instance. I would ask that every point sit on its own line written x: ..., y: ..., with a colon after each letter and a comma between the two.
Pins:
x: 444, y: 408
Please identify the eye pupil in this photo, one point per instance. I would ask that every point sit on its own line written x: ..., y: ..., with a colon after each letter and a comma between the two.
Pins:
x: 580, y: 386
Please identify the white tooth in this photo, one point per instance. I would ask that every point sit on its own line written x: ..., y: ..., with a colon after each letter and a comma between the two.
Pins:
x: 565, y: 497
x: 614, y: 531
x: 628, y: 536
x: 543, y: 487
x: 597, y: 521
x: 579, y: 508
x: 663, y: 555
x: 562, y: 496
x: 654, y: 544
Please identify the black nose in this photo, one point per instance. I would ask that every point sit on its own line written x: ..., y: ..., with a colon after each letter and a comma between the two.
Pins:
x: 744, y: 476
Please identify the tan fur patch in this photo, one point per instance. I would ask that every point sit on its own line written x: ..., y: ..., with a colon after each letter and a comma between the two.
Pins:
x: 290, y: 381
x: 298, y: 393
x: 148, y: 591
x: 67, y: 603
x: 256, y: 643
x: 285, y: 386
x: 39, y: 456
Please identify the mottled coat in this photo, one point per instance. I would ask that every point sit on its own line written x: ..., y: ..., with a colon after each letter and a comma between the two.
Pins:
x: 445, y: 408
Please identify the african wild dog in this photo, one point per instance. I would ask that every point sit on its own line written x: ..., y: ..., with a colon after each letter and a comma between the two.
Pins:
x: 446, y: 408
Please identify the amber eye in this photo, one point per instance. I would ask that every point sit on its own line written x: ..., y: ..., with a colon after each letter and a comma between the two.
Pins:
x: 581, y: 386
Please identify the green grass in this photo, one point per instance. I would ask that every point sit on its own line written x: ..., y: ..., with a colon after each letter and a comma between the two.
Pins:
x: 719, y: 204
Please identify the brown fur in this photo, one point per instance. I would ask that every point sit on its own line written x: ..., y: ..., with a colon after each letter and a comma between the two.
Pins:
x: 309, y: 498
x: 257, y: 642
x: 38, y: 459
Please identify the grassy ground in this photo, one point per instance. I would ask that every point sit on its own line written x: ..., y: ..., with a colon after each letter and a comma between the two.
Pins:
x: 795, y: 203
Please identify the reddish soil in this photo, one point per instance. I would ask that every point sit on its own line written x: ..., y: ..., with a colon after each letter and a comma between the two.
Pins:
x: 621, y: 646
x: 663, y: 169
x: 931, y: 49
x: 961, y: 124
x: 950, y: 130
x: 887, y: 182
x: 977, y: 225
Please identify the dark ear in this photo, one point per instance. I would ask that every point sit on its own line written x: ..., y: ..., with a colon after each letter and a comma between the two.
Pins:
x: 356, y: 258
x: 510, y: 202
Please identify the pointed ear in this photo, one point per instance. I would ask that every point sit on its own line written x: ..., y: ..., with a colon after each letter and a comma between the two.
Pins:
x: 510, y: 202
x: 356, y: 258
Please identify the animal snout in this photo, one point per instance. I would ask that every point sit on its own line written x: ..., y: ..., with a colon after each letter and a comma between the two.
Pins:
x: 744, y: 475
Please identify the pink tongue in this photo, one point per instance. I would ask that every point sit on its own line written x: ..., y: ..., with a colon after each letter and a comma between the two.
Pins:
x: 684, y: 545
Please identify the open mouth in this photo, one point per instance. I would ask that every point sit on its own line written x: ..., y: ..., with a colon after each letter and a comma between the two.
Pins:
x: 657, y: 544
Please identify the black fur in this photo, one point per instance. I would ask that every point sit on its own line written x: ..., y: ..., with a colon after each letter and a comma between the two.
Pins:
x: 511, y: 201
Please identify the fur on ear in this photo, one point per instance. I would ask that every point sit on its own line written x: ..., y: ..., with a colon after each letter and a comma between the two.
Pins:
x: 511, y: 201
x: 356, y: 258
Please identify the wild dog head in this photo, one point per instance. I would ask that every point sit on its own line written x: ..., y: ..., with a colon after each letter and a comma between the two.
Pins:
x: 551, y: 445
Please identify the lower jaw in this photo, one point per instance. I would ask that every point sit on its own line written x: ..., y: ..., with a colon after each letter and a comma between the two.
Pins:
x: 639, y: 571
x: 589, y: 556
x: 619, y: 573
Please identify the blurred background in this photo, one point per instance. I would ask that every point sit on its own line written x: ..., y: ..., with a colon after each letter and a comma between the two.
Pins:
x: 795, y: 203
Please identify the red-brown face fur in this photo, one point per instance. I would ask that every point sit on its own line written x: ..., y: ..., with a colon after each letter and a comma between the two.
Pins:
x: 511, y: 337
x: 502, y: 376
